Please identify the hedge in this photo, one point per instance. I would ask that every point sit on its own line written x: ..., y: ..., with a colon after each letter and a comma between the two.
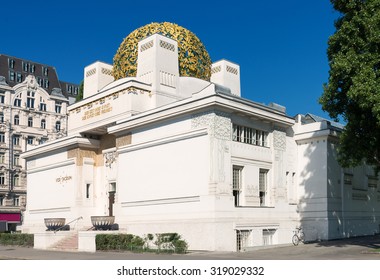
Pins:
x: 18, y: 239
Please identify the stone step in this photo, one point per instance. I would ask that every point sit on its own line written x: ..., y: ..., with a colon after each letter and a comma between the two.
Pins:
x: 69, y: 243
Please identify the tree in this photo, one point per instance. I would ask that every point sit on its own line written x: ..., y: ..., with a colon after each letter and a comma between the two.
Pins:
x: 80, y: 92
x: 353, y: 89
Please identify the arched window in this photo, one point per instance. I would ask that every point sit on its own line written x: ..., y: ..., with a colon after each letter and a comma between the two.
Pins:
x: 43, y: 124
x: 30, y: 122
x: 16, y: 120
x: 42, y: 105
x: 17, y: 102
x: 58, y: 126
x: 30, y: 99
x: 16, y: 180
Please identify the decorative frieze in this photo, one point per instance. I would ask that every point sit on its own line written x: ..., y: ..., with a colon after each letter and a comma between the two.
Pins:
x: 109, y: 158
x: 98, y: 106
x: 218, y: 123
x: 123, y: 140
x: 79, y: 154
x: 279, y: 140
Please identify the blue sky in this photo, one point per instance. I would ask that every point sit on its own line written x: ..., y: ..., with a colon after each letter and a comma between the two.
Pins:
x: 279, y: 45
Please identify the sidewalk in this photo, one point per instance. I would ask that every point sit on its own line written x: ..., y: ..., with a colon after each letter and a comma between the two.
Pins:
x: 359, y: 248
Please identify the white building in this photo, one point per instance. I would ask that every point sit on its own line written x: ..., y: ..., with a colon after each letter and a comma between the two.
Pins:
x: 334, y: 202
x: 164, y: 150
x: 33, y: 105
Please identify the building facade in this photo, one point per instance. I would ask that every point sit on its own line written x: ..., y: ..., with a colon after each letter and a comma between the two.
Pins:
x: 333, y: 202
x: 32, y: 111
x: 175, y: 148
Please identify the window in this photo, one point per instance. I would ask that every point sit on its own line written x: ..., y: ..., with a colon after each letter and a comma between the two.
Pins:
x: 30, y: 122
x: 32, y: 68
x: 16, y: 201
x: 43, y: 124
x: 2, y: 97
x: 268, y: 236
x: 2, y: 137
x: 16, y: 120
x: 2, y: 158
x: 2, y: 179
x: 58, y: 126
x: 11, y: 63
x: 43, y: 140
x: 16, y: 160
x: 25, y: 66
x: 45, y: 71
x: 88, y: 186
x: 249, y: 135
x: 237, y: 184
x: 16, y: 180
x: 1, y: 117
x: 12, y: 76
x: 263, y: 181
x: 243, y: 238
x: 30, y: 140
x: 42, y: 105
x: 58, y: 107
x: 348, y: 179
x: 17, y: 102
x: 69, y: 88
x: 39, y: 81
x: 30, y: 99
x: 46, y: 83
x: 1, y: 200
x: 16, y: 140
x: 18, y: 77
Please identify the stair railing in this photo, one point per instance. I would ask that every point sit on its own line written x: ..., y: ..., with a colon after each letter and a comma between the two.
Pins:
x: 77, y: 219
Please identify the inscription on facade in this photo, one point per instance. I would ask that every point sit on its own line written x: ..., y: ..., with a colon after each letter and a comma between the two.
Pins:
x: 63, y: 179
x: 97, y: 111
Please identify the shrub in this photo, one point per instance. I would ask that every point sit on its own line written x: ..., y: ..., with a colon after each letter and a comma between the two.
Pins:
x: 171, y: 242
x: 165, y: 242
x: 118, y: 242
x: 18, y: 239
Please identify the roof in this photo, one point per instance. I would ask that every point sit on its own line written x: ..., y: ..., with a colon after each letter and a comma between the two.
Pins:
x: 321, y: 119
x: 46, y: 75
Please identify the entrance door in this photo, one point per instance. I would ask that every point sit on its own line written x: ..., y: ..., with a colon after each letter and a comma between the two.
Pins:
x: 111, y: 198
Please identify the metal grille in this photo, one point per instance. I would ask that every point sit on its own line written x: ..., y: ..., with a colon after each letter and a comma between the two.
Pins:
x: 242, y: 239
x: 268, y: 236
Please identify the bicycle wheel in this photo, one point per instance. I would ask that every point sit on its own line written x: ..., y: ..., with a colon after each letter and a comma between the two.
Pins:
x: 295, y: 240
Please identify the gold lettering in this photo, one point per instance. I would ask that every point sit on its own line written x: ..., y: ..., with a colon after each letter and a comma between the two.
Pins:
x: 97, y: 111
x: 63, y: 179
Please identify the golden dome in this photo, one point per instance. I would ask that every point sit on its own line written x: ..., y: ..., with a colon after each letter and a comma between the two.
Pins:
x: 194, y: 60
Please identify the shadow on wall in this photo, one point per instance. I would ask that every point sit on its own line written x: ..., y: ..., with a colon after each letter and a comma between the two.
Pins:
x: 324, y: 215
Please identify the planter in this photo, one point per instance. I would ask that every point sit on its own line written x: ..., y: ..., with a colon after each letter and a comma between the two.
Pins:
x: 102, y: 222
x: 54, y: 223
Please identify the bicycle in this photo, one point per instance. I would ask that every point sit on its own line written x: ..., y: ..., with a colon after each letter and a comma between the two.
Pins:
x: 298, y: 236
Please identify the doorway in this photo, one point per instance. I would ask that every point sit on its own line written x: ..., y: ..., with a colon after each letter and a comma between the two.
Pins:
x: 111, y: 198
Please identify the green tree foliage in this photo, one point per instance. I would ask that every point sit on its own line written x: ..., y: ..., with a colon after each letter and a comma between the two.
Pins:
x: 353, y: 89
x: 80, y: 92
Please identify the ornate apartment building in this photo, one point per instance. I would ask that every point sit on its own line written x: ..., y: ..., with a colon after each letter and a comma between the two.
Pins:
x: 33, y: 110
